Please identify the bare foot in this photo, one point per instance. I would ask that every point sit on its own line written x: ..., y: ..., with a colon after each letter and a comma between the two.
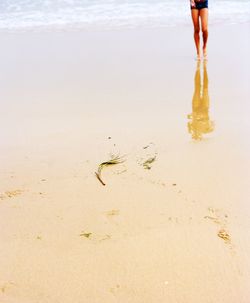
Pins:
x: 198, y: 56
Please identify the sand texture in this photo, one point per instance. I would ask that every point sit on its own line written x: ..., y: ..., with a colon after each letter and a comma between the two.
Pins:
x: 125, y: 167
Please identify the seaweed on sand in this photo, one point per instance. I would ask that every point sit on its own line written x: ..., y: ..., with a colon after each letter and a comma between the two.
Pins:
x: 147, y: 164
x: 113, y: 161
x: 85, y: 234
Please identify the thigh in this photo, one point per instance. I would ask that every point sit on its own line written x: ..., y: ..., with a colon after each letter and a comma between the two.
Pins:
x: 204, y: 18
x: 195, y: 18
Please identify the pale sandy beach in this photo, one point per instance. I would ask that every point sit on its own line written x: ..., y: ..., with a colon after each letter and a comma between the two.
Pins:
x: 176, y: 230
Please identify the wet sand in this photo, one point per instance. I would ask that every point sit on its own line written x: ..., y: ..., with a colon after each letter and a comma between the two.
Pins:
x: 172, y: 222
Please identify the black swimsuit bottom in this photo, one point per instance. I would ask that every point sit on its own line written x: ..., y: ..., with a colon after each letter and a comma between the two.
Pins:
x: 200, y: 5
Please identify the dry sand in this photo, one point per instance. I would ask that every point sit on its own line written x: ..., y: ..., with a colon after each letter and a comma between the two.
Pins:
x: 178, y: 232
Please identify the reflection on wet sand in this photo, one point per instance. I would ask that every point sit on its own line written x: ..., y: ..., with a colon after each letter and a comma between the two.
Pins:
x: 200, y: 122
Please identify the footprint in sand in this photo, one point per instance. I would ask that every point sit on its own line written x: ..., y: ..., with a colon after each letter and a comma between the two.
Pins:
x: 221, y: 219
x: 115, y: 289
x: 112, y: 213
x: 95, y: 237
x: 5, y: 286
x: 10, y: 194
x: 224, y: 235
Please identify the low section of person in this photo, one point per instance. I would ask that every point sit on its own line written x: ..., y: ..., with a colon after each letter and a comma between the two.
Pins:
x: 199, y: 12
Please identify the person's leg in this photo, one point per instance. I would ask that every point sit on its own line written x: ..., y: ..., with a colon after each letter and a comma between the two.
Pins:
x: 204, y: 27
x: 195, y: 18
